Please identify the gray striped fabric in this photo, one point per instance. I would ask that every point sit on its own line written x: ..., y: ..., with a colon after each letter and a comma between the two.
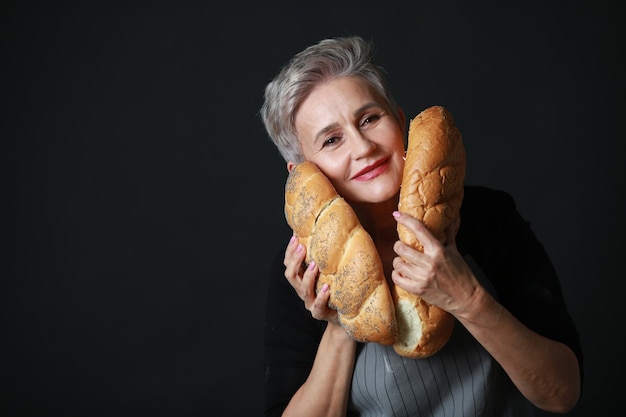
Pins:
x: 461, y: 380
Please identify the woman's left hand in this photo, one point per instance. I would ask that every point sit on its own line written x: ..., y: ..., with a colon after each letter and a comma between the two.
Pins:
x: 439, y: 275
x: 442, y: 278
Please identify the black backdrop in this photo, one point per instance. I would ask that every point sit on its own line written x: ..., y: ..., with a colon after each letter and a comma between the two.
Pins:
x: 144, y: 201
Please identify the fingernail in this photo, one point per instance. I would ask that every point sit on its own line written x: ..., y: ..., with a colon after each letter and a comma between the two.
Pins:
x: 311, y: 265
x: 299, y: 248
x: 396, y: 214
x: 293, y: 239
x: 325, y: 288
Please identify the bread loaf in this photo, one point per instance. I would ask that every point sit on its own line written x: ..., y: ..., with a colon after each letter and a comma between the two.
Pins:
x: 344, y: 253
x: 432, y: 192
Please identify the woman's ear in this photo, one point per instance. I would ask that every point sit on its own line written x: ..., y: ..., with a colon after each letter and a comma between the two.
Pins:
x: 290, y: 166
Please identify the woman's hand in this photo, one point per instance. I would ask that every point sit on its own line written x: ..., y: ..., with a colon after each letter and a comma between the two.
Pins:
x: 546, y: 372
x: 439, y: 274
x: 303, y: 279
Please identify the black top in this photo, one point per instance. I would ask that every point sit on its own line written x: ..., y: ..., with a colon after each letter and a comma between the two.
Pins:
x: 492, y: 232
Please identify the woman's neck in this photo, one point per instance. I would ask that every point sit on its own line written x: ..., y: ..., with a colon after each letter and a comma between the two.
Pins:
x: 376, y: 218
x: 382, y: 227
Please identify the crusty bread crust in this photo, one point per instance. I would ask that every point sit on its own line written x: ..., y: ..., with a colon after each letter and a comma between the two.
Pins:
x: 432, y: 191
x: 344, y: 253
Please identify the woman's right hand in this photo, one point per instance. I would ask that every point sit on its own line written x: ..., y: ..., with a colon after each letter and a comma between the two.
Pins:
x: 303, y: 278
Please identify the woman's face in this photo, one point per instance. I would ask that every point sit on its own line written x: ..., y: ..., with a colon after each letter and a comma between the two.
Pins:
x: 345, y: 128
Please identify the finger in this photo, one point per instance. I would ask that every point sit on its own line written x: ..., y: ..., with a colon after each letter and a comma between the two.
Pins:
x: 320, y: 303
x: 418, y: 228
x: 294, y: 256
x: 307, y: 286
x: 319, y: 308
x: 406, y: 253
x: 402, y: 263
x: 414, y: 270
x: 291, y: 247
x: 408, y: 284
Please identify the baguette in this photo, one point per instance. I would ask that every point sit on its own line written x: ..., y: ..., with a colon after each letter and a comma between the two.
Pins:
x: 432, y: 192
x: 345, y: 254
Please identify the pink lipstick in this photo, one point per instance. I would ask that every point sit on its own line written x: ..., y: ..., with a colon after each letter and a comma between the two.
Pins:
x: 372, y: 171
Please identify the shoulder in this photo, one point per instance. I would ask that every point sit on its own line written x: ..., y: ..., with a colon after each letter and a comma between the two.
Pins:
x: 486, y: 210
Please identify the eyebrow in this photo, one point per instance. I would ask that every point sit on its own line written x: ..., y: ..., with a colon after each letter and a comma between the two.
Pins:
x: 332, y: 126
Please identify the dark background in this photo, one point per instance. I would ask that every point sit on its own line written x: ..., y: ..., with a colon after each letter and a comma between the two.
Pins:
x: 144, y: 200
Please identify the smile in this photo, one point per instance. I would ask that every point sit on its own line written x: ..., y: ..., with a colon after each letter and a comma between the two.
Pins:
x: 372, y: 171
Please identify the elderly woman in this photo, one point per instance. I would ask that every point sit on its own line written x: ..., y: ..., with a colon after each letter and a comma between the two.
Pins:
x: 514, y: 347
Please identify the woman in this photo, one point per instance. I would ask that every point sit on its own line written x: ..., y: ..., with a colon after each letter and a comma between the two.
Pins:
x: 514, y: 346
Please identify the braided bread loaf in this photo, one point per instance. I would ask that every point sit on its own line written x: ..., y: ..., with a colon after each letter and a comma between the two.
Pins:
x: 345, y: 255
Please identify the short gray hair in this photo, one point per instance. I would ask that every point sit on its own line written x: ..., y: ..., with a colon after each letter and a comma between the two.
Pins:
x: 324, y: 61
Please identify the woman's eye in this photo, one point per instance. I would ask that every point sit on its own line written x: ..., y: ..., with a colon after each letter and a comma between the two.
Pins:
x: 370, y: 119
x: 331, y: 141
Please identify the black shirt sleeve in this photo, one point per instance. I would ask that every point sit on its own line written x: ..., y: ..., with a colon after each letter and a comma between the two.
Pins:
x: 291, y: 339
x: 516, y: 263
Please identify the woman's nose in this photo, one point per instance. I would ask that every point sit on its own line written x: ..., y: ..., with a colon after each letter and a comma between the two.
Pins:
x: 361, y: 145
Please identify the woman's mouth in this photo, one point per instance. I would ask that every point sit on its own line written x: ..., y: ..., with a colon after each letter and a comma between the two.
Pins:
x: 372, y: 171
